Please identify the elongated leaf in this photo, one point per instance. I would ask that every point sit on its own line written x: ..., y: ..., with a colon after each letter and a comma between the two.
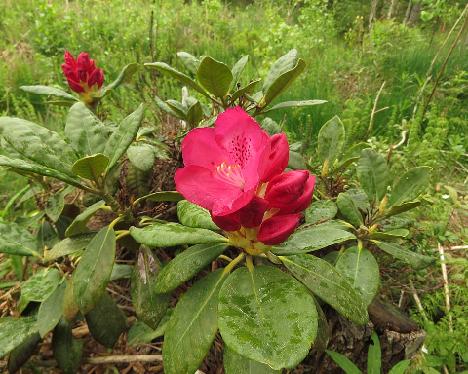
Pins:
x: 361, y: 268
x: 94, y: 270
x: 47, y: 90
x: 359, y: 198
x: 68, y: 246
x: 39, y: 287
x: 237, y: 70
x: 85, y: 132
x: 161, y: 196
x: 16, y: 240
x: 344, y: 362
x: 391, y: 235
x: 141, y: 156
x: 91, y: 167
x: 410, y: 186
x: 327, y: 283
x: 267, y: 316
x: 349, y: 210
x: 192, y: 215
x: 294, y: 104
x: 189, y: 61
x: 186, y: 265
x: 372, y: 174
x: 244, y: 90
x: 400, y: 367
x: 121, y: 271
x: 330, y: 141
x: 14, y: 331
x: 51, y: 310
x: 320, y: 211
x: 21, y: 354
x: 67, y: 350
x: 124, y: 76
x: 416, y: 260
x: 282, y: 73
x: 56, y: 202
x: 78, y: 225
x: 192, y: 327
x: 141, y: 333
x: 237, y: 364
x: 374, y: 355
x: 150, y: 305
x: 312, y: 239
x: 123, y: 136
x: 106, y: 321
x: 172, y: 234
x: 214, y: 76
x: 398, y: 209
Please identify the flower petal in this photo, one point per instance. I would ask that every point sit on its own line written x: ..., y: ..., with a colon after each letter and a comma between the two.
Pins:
x: 304, y: 201
x: 277, y: 229
x: 278, y: 157
x: 199, y: 148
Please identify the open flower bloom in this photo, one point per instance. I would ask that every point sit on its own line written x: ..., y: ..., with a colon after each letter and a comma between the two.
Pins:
x: 82, y: 75
x: 236, y: 171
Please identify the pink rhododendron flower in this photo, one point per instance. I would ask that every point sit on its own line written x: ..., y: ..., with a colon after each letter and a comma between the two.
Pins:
x: 82, y: 74
x: 236, y: 171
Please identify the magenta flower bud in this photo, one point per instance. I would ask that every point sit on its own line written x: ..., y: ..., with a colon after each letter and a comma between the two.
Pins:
x: 277, y: 229
x: 229, y: 222
x: 82, y: 74
x: 284, y: 190
x: 278, y: 157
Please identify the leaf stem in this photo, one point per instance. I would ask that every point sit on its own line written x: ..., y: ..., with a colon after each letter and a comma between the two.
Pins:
x: 249, y: 263
x: 233, y: 263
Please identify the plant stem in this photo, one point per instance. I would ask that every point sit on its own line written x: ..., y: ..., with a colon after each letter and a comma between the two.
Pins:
x: 233, y: 263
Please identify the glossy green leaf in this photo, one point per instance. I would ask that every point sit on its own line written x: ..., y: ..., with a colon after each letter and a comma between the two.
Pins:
x: 123, y: 136
x: 192, y: 215
x: 47, y: 90
x: 51, y: 310
x: 410, y: 186
x: 142, y: 156
x: 91, y: 167
x: 267, y: 316
x: 150, y: 305
x: 372, y: 174
x: 124, y: 77
x: 391, y: 235
x: 192, y: 327
x: 16, y: 240
x: 400, y: 367
x: 94, y: 270
x: 172, y: 234
x: 68, y: 246
x: 344, y: 362
x: 56, y: 202
x: 361, y: 268
x: 330, y: 140
x: 161, y: 196
x: 349, y: 210
x: 398, y: 209
x: 414, y: 259
x: 214, y: 76
x: 68, y: 351
x: 38, y: 287
x: 282, y: 73
x: 237, y: 70
x: 189, y: 61
x: 312, y: 239
x: 237, y: 364
x: 320, y: 211
x: 328, y: 284
x: 14, y: 331
x: 186, y: 265
x: 21, y: 354
x: 374, y: 355
x: 294, y: 104
x: 78, y: 225
x: 106, y: 321
x: 85, y: 132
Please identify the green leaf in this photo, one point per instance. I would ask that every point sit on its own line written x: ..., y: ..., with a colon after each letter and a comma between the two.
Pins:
x: 214, y: 76
x: 267, y: 316
x: 16, y: 240
x: 178, y: 108
x: 361, y: 268
x: 349, y: 210
x: 330, y: 140
x: 237, y: 71
x: 142, y: 156
x: 414, y: 259
x: 410, y: 186
x: 106, y: 321
x: 161, y: 196
x: 15, y: 331
x: 172, y: 234
x: 38, y: 287
x: 51, y: 310
x: 312, y: 239
x: 68, y: 246
x: 398, y: 209
x: 47, y: 90
x: 78, y: 225
x: 244, y: 91
x: 91, y: 167
x: 121, y: 271
x: 328, y: 284
x: 351, y: 155
x: 85, y: 132
x: 270, y: 126
x: 391, y: 235
x: 181, y: 77
x: 374, y: 355
x: 123, y: 136
x: 320, y: 211
x: 21, y: 354
x: 237, y: 364
x: 150, y: 305
x: 372, y: 174
x: 67, y: 350
x: 192, y: 215
x: 282, y: 73
x: 296, y: 161
x: 400, y: 367
x: 344, y: 362
x: 124, y: 77
x: 56, y: 202
x: 189, y: 61
x: 141, y: 333
x: 195, y: 114
x: 294, y: 104
x: 192, y: 327
x: 94, y: 270
x: 186, y: 265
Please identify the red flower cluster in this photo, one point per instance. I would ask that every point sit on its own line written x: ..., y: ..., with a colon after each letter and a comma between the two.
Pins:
x: 82, y: 74
x: 236, y: 171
